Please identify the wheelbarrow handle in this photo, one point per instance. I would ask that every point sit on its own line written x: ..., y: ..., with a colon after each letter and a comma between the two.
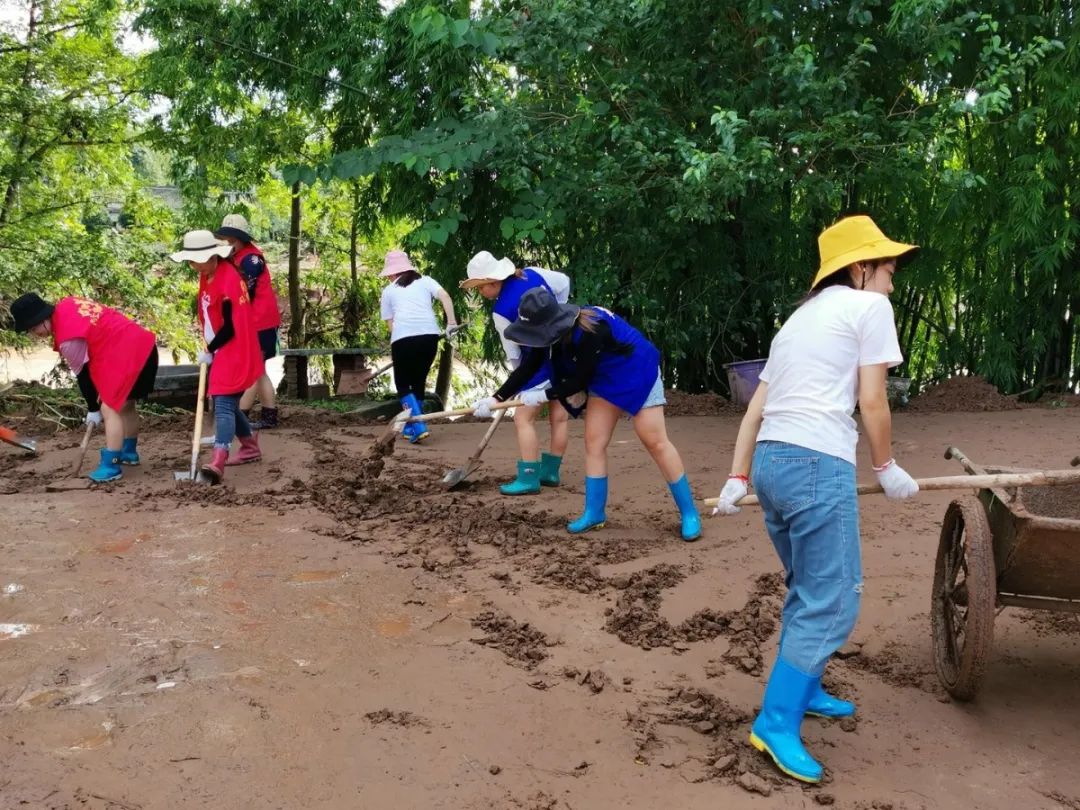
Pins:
x: 1042, y: 478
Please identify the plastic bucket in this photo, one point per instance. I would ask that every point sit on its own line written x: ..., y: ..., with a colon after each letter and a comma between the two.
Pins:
x: 743, y: 379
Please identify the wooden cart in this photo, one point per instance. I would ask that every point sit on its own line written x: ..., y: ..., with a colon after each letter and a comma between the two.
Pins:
x: 1016, y: 547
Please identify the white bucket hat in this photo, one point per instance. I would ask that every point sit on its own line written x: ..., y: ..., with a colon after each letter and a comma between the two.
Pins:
x: 199, y: 246
x: 483, y: 267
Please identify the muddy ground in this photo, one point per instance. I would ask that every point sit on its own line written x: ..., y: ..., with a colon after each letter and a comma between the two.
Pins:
x: 319, y: 635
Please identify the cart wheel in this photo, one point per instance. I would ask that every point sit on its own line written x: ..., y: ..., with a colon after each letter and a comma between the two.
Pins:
x: 964, y: 598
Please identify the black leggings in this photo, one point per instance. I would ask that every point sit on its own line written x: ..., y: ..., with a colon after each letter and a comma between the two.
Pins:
x: 413, y: 358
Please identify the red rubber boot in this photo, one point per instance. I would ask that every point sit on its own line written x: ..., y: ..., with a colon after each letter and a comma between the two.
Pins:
x: 249, y: 451
x: 215, y: 470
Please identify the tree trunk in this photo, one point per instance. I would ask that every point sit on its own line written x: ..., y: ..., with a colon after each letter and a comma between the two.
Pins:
x: 17, y: 159
x: 446, y: 372
x: 296, y: 312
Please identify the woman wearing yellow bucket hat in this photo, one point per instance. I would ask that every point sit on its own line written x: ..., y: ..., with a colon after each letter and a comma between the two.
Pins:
x: 798, y: 436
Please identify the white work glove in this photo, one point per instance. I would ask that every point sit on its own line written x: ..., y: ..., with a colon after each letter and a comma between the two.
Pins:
x: 93, y: 418
x: 452, y: 329
x: 898, y: 485
x: 734, y: 491
x: 204, y: 358
x: 482, y: 407
x: 532, y: 399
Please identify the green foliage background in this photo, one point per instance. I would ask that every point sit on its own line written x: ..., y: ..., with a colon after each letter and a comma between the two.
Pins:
x: 676, y: 158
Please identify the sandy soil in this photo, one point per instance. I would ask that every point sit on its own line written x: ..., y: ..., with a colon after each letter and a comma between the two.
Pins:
x: 316, y: 635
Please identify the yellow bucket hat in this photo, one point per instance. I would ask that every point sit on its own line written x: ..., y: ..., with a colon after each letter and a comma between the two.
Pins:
x: 854, y: 239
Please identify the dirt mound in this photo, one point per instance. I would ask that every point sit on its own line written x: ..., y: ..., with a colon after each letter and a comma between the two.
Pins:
x: 636, y: 618
x: 679, y: 403
x: 962, y: 394
x: 405, y: 719
x: 1046, y: 623
x: 520, y: 642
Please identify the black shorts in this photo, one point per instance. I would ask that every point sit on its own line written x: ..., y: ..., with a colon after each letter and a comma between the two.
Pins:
x: 268, y: 342
x: 144, y: 383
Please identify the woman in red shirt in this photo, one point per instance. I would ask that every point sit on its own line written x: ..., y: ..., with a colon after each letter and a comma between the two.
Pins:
x: 232, y: 347
x: 112, y: 357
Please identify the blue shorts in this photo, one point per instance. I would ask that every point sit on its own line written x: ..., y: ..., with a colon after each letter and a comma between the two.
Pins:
x: 656, y: 395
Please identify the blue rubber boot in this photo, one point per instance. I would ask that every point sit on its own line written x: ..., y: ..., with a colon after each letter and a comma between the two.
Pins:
x: 595, y: 503
x: 684, y: 499
x: 776, y: 729
x: 527, y: 481
x: 549, y: 469
x: 418, y: 430
x: 109, y: 468
x: 822, y: 704
x: 128, y: 454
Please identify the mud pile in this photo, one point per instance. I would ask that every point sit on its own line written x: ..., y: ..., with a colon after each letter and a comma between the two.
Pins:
x: 962, y: 394
x: 520, y: 642
x: 679, y: 403
x: 636, y: 618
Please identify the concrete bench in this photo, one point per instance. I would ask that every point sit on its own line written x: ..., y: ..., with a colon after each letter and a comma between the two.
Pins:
x: 346, y: 361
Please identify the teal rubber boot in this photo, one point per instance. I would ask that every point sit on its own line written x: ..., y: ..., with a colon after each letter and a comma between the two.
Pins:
x: 128, y: 454
x: 109, y: 468
x: 776, y: 729
x: 414, y: 431
x: 549, y: 469
x: 822, y: 704
x: 527, y: 481
x: 595, y: 504
x: 684, y: 499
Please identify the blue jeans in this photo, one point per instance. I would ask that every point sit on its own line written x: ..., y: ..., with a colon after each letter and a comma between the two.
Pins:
x: 229, y: 420
x: 812, y: 516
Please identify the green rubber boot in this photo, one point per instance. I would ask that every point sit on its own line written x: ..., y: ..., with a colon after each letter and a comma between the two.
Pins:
x: 527, y: 481
x: 549, y: 469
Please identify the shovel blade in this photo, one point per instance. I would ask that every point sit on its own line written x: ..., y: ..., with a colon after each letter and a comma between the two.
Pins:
x: 11, y: 437
x: 457, y: 476
x: 185, y: 475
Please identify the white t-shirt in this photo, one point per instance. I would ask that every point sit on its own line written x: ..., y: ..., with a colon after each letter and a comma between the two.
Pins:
x: 410, y: 308
x: 560, y: 288
x: 813, y: 368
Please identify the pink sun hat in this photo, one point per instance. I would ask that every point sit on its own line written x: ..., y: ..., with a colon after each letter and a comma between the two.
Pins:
x: 396, y: 263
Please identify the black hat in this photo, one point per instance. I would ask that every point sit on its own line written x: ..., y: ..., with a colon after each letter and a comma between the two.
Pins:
x: 29, y: 310
x: 541, y: 319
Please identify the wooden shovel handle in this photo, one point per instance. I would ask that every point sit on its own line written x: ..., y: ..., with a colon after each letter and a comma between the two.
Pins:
x: 1041, y: 478
x: 429, y: 417
x: 197, y: 432
x: 82, y: 449
x: 475, y: 457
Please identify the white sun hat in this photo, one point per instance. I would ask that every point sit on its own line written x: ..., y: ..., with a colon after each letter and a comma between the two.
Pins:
x: 199, y: 246
x: 483, y: 267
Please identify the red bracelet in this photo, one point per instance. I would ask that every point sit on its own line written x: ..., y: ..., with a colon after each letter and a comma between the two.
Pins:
x: 885, y: 466
x: 744, y: 478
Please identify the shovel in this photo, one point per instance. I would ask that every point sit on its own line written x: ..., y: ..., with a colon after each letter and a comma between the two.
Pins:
x: 72, y: 481
x: 455, y: 477
x: 398, y: 424
x: 11, y: 437
x: 1041, y: 478
x: 195, y: 474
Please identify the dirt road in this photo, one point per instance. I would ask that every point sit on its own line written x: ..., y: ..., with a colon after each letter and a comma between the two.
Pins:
x: 313, y: 637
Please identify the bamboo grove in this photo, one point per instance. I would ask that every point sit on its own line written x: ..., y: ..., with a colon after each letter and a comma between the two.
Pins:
x: 677, y: 158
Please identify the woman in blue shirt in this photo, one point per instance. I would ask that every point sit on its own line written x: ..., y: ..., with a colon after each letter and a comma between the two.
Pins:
x: 591, y: 349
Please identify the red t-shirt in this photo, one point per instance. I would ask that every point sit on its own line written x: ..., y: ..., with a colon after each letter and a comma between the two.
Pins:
x: 116, y: 347
x: 239, y: 363
x: 264, y: 306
